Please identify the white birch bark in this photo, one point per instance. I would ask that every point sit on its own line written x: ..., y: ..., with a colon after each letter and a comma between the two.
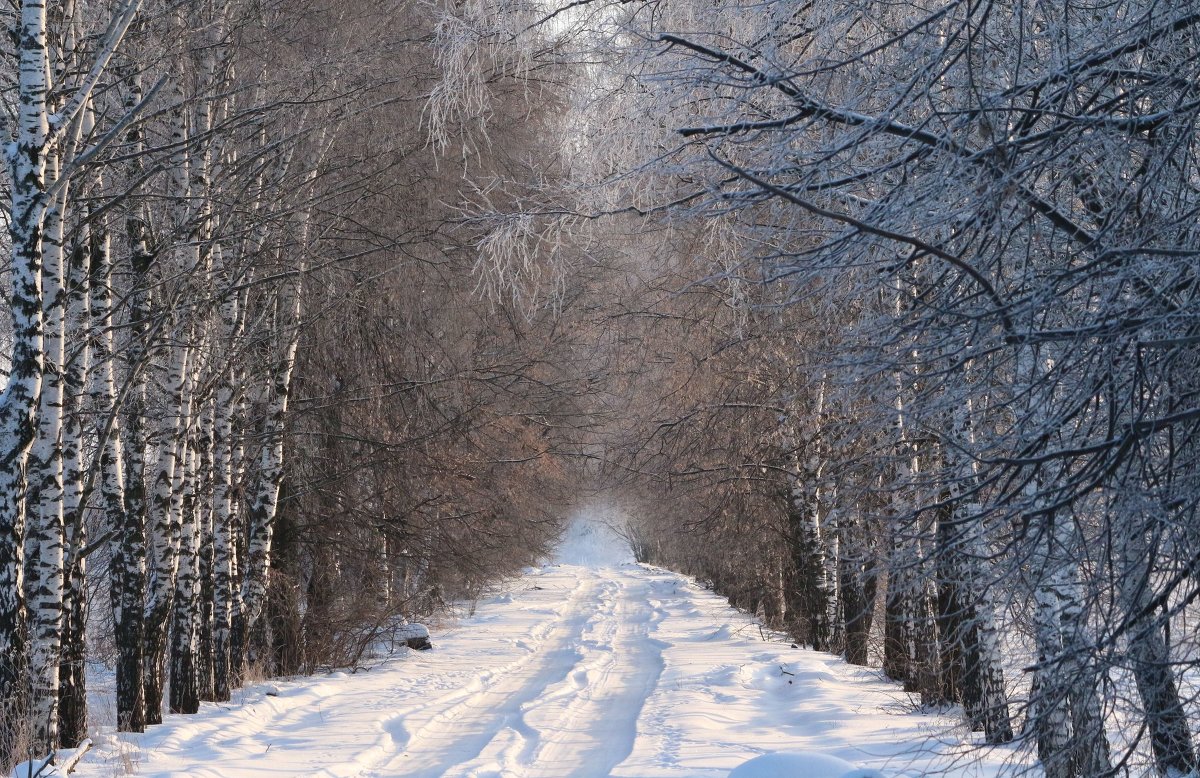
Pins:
x: 72, y: 687
x: 264, y: 502
x: 237, y: 518
x: 72, y: 702
x: 1149, y: 654
x: 162, y: 531
x: 46, y: 497
x: 42, y: 160
x: 44, y: 542
x: 102, y: 386
x: 908, y: 646
x: 128, y: 566
x: 1067, y: 713
x: 26, y: 160
x: 206, y: 475
x: 224, y: 549
x: 810, y: 539
x: 1048, y: 700
x: 162, y: 516
x: 185, y: 628
x: 128, y: 561
x: 970, y: 639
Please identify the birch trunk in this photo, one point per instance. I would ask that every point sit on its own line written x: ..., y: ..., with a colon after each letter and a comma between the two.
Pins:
x: 204, y: 638
x: 1090, y: 742
x: 18, y: 403
x: 1149, y: 654
x: 808, y: 595
x: 910, y: 645
x: 1048, y: 701
x: 128, y: 573
x: 72, y: 692
x: 988, y: 671
x: 910, y: 637
x: 70, y: 122
x: 1069, y: 719
x: 163, y: 532
x: 810, y: 590
x: 1066, y: 708
x: 265, y: 501
x: 102, y: 390
x: 185, y: 627
x: 237, y: 531
x: 44, y: 542
x: 72, y: 709
x: 224, y: 539
x: 162, y: 514
x: 971, y: 662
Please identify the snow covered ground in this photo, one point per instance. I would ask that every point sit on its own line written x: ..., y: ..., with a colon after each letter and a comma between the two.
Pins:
x: 597, y: 668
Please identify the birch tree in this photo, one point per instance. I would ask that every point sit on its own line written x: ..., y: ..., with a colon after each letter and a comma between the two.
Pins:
x: 40, y: 172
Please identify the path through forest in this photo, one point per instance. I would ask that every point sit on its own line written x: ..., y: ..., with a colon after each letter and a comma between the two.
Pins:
x: 578, y: 670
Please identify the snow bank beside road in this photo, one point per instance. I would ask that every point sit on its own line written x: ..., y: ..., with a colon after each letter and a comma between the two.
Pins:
x: 808, y: 765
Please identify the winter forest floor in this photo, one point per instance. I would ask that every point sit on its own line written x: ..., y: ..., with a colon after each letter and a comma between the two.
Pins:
x: 590, y: 666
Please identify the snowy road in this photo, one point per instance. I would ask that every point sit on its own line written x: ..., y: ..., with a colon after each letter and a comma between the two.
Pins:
x: 576, y: 671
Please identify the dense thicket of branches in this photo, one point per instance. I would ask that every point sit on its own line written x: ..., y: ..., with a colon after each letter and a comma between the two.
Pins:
x: 253, y: 391
x: 925, y: 337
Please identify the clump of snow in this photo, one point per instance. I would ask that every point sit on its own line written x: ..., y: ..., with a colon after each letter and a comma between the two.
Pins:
x: 722, y: 632
x: 412, y: 635
x: 412, y: 632
x: 40, y: 768
x: 808, y: 764
x: 592, y: 539
x: 66, y: 759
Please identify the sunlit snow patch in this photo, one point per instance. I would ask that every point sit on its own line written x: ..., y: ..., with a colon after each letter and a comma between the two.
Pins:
x: 592, y: 539
x: 800, y: 765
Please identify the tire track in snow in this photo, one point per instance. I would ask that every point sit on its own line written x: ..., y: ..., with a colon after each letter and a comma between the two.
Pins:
x: 251, y: 738
x: 593, y: 729
x: 402, y: 729
x: 458, y: 733
x: 392, y: 734
x: 583, y: 724
x: 518, y: 740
